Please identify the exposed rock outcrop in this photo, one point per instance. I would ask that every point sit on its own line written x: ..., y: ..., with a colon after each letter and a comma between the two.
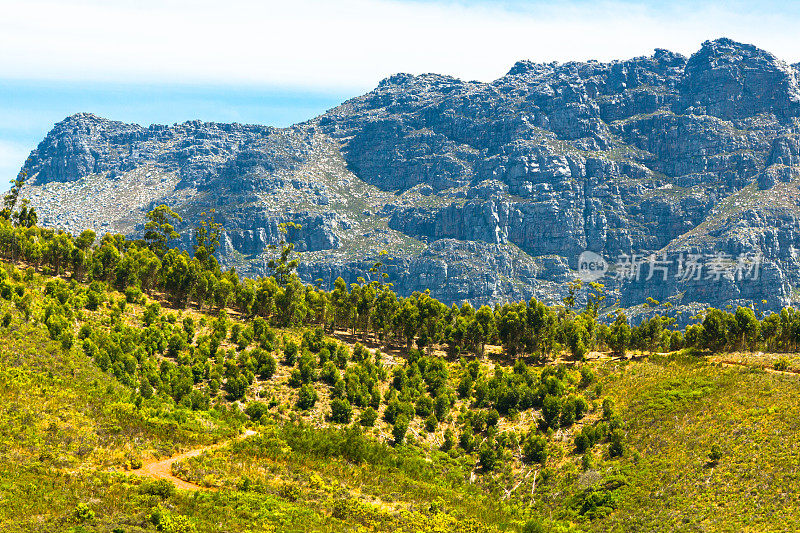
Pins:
x: 480, y: 191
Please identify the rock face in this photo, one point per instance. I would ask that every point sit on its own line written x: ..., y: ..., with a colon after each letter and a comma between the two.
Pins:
x: 482, y: 191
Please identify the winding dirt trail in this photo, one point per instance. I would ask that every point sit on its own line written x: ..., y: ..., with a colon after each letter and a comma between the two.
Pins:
x: 163, y: 469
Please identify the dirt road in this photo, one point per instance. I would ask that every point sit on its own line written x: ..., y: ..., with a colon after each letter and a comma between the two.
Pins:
x: 163, y: 469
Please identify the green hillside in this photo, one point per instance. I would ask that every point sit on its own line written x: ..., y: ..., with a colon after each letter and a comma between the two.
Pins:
x: 357, y: 410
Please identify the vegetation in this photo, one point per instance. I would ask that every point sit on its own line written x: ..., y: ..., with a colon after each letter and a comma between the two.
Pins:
x: 369, y: 410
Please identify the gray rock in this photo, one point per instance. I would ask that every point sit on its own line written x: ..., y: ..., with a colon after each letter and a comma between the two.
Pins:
x: 484, y: 192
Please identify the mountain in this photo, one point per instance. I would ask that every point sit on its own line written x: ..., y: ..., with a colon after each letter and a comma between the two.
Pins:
x: 483, y: 191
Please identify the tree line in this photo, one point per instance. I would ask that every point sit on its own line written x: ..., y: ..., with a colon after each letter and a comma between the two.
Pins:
x: 368, y: 309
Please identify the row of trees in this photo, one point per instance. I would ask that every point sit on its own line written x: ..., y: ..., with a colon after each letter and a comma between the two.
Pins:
x: 367, y: 309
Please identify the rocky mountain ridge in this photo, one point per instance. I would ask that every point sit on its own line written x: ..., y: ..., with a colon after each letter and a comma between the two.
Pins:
x: 483, y: 192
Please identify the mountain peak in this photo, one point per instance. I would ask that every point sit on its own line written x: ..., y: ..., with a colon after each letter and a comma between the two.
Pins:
x: 733, y: 80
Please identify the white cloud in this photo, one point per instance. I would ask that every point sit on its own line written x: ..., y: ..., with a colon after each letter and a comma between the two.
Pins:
x: 345, y: 43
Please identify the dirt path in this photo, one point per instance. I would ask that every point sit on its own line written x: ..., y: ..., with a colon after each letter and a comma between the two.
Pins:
x: 754, y: 364
x: 163, y: 469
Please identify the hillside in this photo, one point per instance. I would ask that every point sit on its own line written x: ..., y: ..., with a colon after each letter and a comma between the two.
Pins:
x: 482, y: 192
x: 308, y: 410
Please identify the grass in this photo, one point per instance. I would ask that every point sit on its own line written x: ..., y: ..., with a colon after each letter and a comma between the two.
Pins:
x: 69, y: 432
x: 677, y: 410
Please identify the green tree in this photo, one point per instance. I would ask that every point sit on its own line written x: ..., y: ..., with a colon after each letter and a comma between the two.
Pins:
x: 620, y: 335
x: 341, y: 411
x: 306, y: 397
x: 487, y: 455
x: 399, y: 429
x: 287, y: 260
x: 206, y: 235
x: 159, y: 230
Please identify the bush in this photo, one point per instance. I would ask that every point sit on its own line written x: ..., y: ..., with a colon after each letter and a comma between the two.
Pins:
x: 82, y: 513
x: 424, y: 406
x: 534, y: 525
x: 587, y: 438
x: 582, y: 443
x: 464, y: 388
x: 307, y: 397
x: 368, y: 417
x: 551, y: 409
x: 162, y: 488
x: 290, y: 354
x: 255, y: 410
x: 399, y: 429
x: 266, y: 364
x: 467, y: 439
x: 341, y: 411
x: 93, y: 300
x: 132, y: 294
x: 587, y: 377
x: 289, y: 492
x: 782, y: 364
x: 295, y: 378
x: 492, y: 418
x: 535, y: 448
x: 430, y: 423
x: 488, y: 455
x: 715, y: 454
x: 449, y: 440
x: 329, y: 373
x: 616, y: 448
x: 175, y: 524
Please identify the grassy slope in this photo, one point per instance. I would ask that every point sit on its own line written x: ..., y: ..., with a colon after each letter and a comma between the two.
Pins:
x: 677, y: 410
x: 67, y: 429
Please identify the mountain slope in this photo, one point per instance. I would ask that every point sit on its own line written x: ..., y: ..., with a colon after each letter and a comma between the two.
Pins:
x: 479, y: 191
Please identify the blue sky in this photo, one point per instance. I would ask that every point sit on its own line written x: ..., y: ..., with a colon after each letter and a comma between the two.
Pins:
x: 277, y: 62
x: 29, y: 108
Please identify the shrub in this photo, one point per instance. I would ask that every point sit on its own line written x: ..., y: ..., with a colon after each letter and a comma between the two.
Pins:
x: 488, y: 455
x: 399, y: 429
x: 307, y: 397
x: 82, y: 513
x: 567, y: 417
x: 295, y: 378
x: 162, y: 488
x: 715, y: 454
x: 255, y: 410
x: 587, y: 377
x: 424, y: 406
x: 135, y: 462
x: 616, y: 448
x: 782, y: 364
x: 266, y: 364
x: 535, y: 448
x: 587, y: 438
x: 467, y: 439
x: 464, y: 388
x: 449, y: 440
x: 582, y: 443
x: 368, y: 417
x: 133, y: 294
x: 534, y: 525
x: 430, y: 423
x: 608, y: 409
x: 289, y: 491
x: 341, y: 411
x: 551, y: 409
x: 176, y: 524
x: 492, y: 418
x: 290, y: 353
